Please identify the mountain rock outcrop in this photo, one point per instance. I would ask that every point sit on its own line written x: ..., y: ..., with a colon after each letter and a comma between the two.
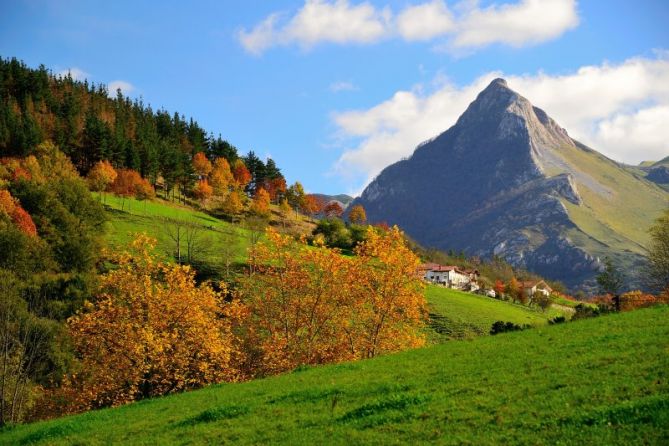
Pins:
x: 507, y: 180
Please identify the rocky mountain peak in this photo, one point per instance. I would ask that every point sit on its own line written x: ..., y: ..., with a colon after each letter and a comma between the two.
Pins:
x: 504, y: 180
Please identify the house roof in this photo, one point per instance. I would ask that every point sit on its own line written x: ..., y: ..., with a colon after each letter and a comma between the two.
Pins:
x: 533, y: 283
x: 437, y: 268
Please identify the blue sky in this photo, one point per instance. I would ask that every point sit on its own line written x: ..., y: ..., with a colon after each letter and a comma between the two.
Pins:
x: 334, y: 90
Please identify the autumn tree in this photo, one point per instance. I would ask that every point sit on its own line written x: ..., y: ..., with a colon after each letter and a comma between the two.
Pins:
x: 514, y: 288
x: 233, y: 205
x: 101, y: 176
x: 393, y: 306
x: 241, y: 174
x: 313, y: 305
x: 260, y: 203
x: 150, y: 331
x: 285, y: 208
x: 12, y: 209
x: 312, y: 205
x: 298, y: 301
x: 221, y: 176
x: 499, y: 288
x: 129, y: 183
x: 357, y: 214
x: 633, y: 300
x: 203, y: 191
x: 333, y: 209
x: 201, y: 165
x: 295, y: 196
x: 276, y: 187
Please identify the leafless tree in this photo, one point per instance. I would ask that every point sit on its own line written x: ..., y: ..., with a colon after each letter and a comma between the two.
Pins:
x: 23, y: 340
x: 229, y: 248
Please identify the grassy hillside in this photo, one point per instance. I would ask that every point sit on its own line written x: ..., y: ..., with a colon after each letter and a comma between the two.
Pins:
x: 596, y: 381
x: 458, y: 315
x: 617, y: 215
x: 156, y: 218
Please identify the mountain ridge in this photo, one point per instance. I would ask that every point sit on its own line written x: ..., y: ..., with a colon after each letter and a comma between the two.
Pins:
x: 506, y: 179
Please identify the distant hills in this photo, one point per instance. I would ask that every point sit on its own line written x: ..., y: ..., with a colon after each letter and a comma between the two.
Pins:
x: 343, y: 199
x: 655, y: 171
x: 507, y: 180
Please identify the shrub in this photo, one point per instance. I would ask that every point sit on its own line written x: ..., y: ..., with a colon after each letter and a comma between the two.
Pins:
x: 503, y: 327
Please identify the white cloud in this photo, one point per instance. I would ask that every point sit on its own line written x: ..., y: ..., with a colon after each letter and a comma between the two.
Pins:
x: 339, y: 86
x: 522, y: 23
x: 76, y: 73
x: 620, y: 110
x: 126, y: 87
x: 425, y: 21
x: 637, y: 136
x: 319, y: 21
x: 261, y: 37
x: 526, y: 22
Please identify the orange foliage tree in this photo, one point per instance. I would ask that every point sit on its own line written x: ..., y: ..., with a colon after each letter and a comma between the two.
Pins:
x: 23, y: 221
x: 499, y: 288
x: 203, y: 191
x: 333, y: 209
x: 312, y: 205
x: 150, y: 331
x: 357, y: 214
x: 313, y: 306
x: 201, y: 165
x: 19, y: 217
x: 515, y: 288
x: 129, y: 183
x: 240, y: 173
x: 637, y: 299
x: 125, y: 181
x: 260, y: 204
x: 276, y: 187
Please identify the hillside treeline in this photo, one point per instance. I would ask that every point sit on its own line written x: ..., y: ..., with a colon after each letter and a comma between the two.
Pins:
x: 89, y: 124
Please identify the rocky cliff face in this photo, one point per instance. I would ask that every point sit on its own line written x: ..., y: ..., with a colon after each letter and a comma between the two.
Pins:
x: 501, y: 181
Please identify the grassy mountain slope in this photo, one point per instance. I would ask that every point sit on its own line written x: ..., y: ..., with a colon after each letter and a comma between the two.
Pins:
x: 128, y: 216
x: 459, y: 315
x: 616, y: 213
x: 596, y: 381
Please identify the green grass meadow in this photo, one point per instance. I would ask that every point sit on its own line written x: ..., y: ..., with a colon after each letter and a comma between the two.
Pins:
x: 128, y: 216
x: 459, y: 315
x: 596, y: 381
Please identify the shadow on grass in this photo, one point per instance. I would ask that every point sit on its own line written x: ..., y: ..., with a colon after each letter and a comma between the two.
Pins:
x: 49, y: 434
x: 216, y: 414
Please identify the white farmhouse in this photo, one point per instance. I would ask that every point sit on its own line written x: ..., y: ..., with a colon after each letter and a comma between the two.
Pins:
x: 450, y: 276
x: 536, y: 287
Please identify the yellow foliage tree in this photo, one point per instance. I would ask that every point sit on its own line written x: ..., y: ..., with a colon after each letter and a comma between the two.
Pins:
x: 151, y: 331
x: 392, y: 305
x: 357, y: 214
x: 221, y: 177
x: 233, y: 205
x: 101, y: 176
x: 260, y: 204
x: 314, y: 306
